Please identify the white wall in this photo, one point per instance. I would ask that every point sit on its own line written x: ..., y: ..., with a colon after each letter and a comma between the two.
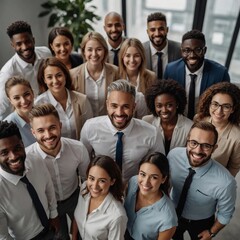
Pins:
x: 27, y: 10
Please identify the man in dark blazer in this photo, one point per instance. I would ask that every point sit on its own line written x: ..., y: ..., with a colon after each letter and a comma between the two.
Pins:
x: 157, y: 31
x: 207, y: 72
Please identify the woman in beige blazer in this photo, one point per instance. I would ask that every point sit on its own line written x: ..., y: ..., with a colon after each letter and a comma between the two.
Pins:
x: 219, y: 104
x: 93, y: 77
x: 55, y: 87
x: 132, y: 65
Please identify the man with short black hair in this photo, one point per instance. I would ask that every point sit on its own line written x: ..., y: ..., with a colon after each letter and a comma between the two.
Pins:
x: 159, y: 49
x: 25, y: 62
x: 23, y: 216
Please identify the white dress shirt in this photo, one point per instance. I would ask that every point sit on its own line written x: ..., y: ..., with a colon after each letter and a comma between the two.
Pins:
x: 99, y: 135
x: 66, y: 116
x: 18, y: 217
x: 107, y: 222
x: 95, y: 91
x: 16, y: 66
x: 63, y: 168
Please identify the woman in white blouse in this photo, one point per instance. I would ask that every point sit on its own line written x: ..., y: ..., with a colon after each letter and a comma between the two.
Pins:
x: 21, y: 96
x: 55, y: 87
x: 99, y: 213
x: 166, y: 100
x: 94, y: 76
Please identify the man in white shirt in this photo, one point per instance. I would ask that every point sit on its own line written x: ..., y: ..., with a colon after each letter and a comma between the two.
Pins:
x: 114, y: 27
x: 25, y: 62
x: 19, y: 213
x: 100, y: 134
x: 65, y: 159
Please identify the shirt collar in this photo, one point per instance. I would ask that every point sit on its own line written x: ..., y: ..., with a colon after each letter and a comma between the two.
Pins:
x: 55, y: 102
x: 110, y: 47
x: 154, y: 50
x: 126, y: 130
x: 87, y: 75
x: 198, y: 72
x: 12, y: 178
x: 45, y: 155
x: 19, y: 120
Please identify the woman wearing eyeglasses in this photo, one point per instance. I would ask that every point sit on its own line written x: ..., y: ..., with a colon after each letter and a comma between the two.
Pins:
x: 219, y: 104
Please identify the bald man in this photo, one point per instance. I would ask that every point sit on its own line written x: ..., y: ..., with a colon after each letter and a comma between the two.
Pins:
x: 114, y: 27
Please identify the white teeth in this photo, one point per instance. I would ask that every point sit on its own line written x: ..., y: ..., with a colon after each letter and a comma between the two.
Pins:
x: 14, y: 163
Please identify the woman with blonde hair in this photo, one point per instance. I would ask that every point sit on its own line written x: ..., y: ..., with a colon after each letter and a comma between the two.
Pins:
x: 55, y: 87
x: 93, y: 77
x: 219, y: 104
x: 132, y: 65
x: 21, y: 96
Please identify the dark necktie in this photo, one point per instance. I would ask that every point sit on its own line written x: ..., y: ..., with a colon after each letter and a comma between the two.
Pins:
x: 115, y: 58
x: 119, y: 150
x: 184, y: 192
x: 36, y: 202
x: 191, y: 97
x: 159, y: 65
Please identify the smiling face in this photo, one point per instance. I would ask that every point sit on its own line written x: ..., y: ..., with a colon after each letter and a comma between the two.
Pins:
x: 132, y: 59
x: 219, y: 115
x: 94, y: 52
x: 120, y: 108
x: 47, y: 131
x: 157, y: 33
x: 21, y: 97
x: 99, y: 182
x: 12, y: 155
x: 62, y: 47
x: 55, y: 79
x: 23, y: 44
x: 114, y: 27
x: 192, y: 54
x: 197, y: 156
x: 166, y: 107
x: 150, y: 179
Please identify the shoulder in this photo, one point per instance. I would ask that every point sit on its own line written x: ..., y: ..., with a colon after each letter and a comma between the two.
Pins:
x: 71, y: 143
x: 148, y: 118
x: 77, y: 70
x: 43, y: 51
x: 176, y: 63
x: 77, y: 96
x: 76, y: 59
x: 111, y: 67
x: 32, y: 149
x: 215, y: 65
x: 149, y: 74
x: 94, y: 122
x: 172, y: 43
x: 176, y: 152
x: 143, y: 125
x: 146, y: 44
x: 117, y: 208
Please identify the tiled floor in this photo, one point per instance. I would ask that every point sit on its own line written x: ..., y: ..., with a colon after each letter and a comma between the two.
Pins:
x: 232, y: 230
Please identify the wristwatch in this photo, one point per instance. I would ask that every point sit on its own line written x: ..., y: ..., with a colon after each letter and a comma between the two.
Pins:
x: 211, y: 233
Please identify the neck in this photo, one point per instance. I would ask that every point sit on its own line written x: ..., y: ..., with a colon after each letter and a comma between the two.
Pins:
x: 115, y: 44
x: 53, y: 152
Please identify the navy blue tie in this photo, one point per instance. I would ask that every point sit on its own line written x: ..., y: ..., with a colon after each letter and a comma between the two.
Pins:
x: 191, y: 97
x: 184, y: 192
x: 36, y: 202
x: 119, y: 149
x: 159, y: 65
x: 115, y: 58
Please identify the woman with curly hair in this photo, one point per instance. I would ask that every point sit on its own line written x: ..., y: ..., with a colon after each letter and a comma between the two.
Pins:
x: 219, y: 104
x: 166, y: 100
x: 99, y: 213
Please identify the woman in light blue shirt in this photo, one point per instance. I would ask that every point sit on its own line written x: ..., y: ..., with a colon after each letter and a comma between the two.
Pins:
x: 151, y: 213
x: 21, y: 96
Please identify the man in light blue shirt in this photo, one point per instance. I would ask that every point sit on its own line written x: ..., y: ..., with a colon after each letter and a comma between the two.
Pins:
x: 211, y: 197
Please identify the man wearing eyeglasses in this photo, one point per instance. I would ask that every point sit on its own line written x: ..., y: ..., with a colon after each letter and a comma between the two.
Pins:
x: 204, y: 204
x: 193, y: 71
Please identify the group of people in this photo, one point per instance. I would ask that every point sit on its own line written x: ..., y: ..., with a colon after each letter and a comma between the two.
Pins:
x: 130, y: 140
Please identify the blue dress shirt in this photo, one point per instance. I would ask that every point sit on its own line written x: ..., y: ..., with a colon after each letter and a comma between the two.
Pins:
x: 213, y: 189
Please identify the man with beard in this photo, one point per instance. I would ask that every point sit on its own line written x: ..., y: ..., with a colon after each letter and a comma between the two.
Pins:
x: 114, y: 27
x: 100, y: 135
x: 25, y: 62
x: 65, y: 159
x: 158, y: 44
x: 20, y: 217
x: 193, y: 71
x: 210, y: 199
